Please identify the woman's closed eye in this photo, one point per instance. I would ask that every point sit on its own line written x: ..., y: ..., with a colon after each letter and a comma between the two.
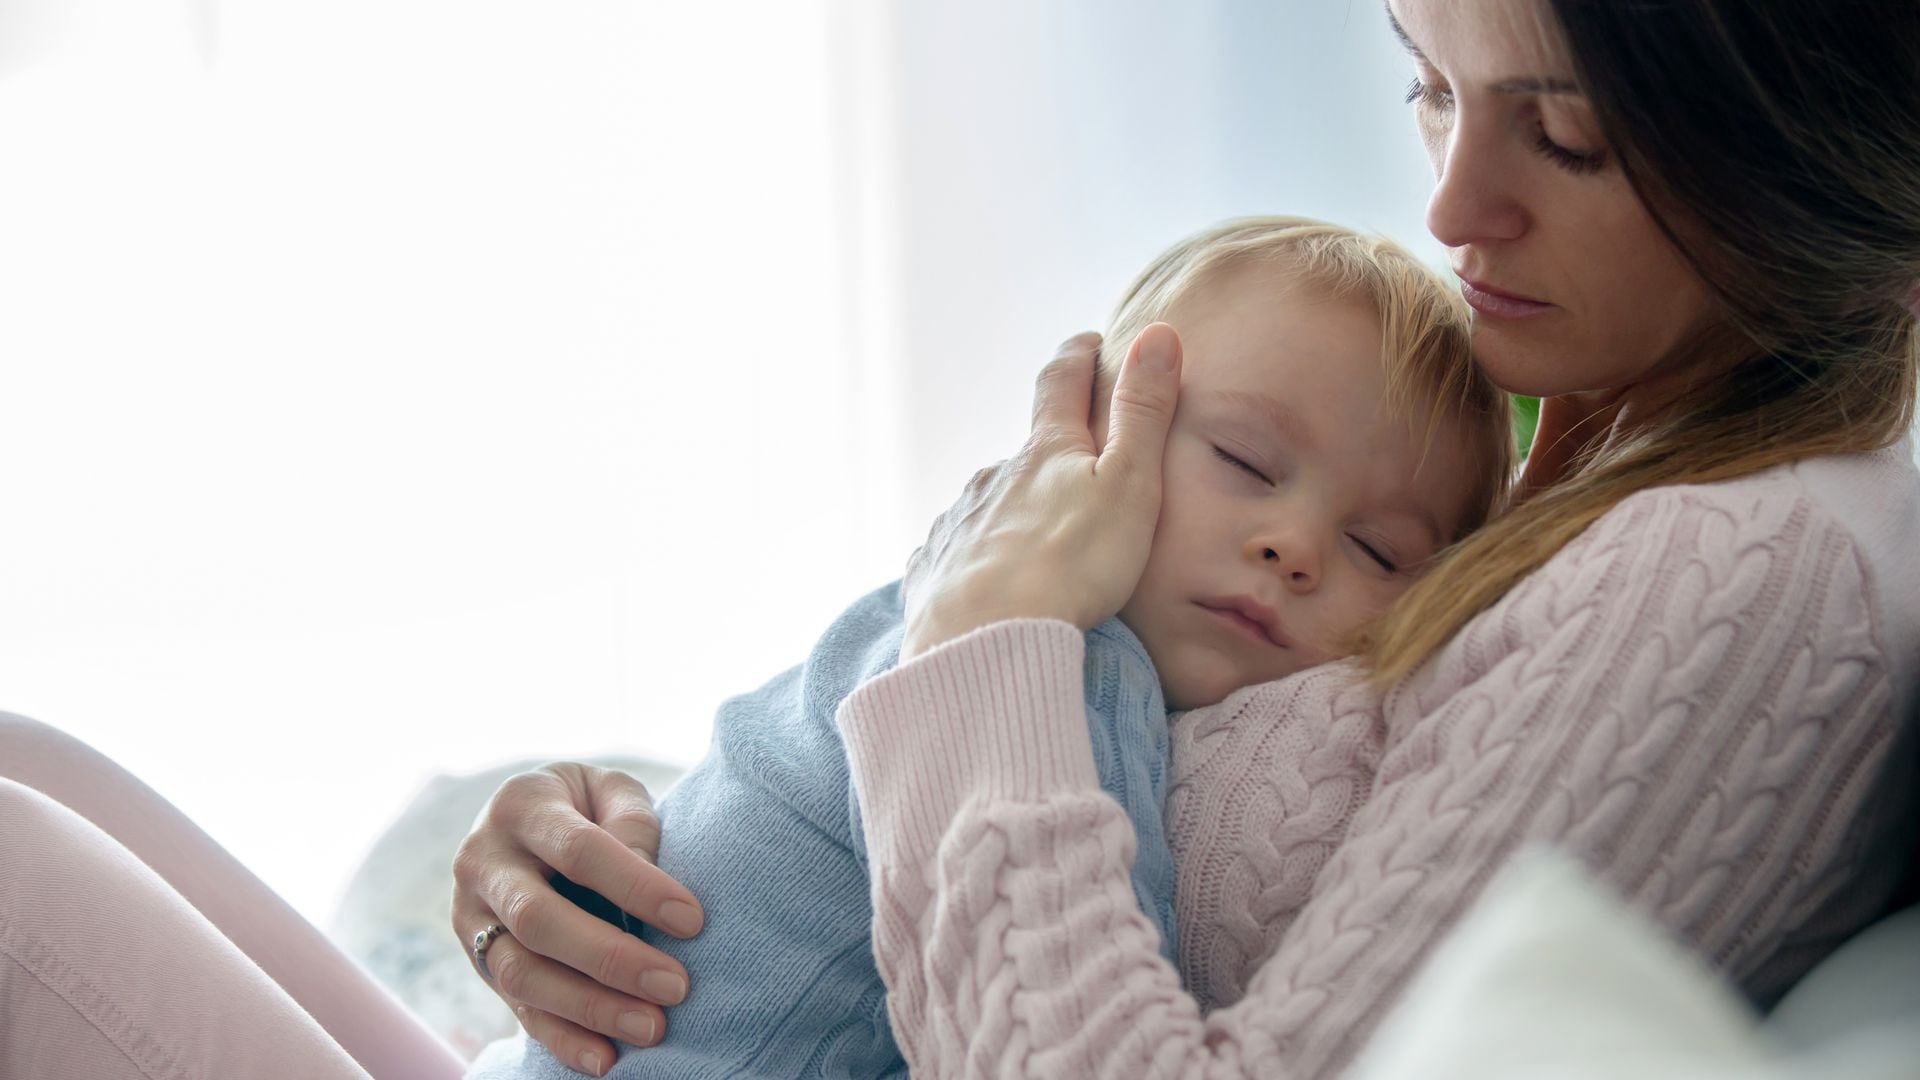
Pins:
x: 1242, y: 466
x: 1427, y: 95
x: 1579, y: 162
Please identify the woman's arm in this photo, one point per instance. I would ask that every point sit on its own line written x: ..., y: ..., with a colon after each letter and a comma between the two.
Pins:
x: 569, y: 976
x: 1691, y: 698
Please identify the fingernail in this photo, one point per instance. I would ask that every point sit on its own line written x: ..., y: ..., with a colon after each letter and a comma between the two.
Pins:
x: 1156, y: 354
x: 664, y: 987
x: 1080, y: 342
x: 590, y: 1062
x: 679, y: 917
x: 638, y: 1026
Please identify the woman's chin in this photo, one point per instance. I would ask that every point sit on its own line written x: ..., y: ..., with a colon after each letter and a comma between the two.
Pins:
x: 1521, y: 364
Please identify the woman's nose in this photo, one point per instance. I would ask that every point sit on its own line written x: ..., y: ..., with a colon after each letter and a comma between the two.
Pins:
x: 1474, y: 195
x: 1291, y: 555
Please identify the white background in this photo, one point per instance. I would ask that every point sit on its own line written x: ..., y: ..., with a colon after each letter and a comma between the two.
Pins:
x: 390, y: 387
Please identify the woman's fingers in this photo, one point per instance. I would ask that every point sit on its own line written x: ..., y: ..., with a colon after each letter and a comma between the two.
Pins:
x: 515, y: 892
x: 1143, y: 403
x: 621, y: 805
x: 610, y: 852
x: 571, y: 1010
x: 569, y: 1013
x: 517, y: 895
x: 579, y: 1048
x: 591, y: 856
x: 537, y: 984
x: 1063, y: 395
x: 1063, y: 529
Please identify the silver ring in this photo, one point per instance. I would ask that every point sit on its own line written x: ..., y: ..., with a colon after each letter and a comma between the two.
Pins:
x: 480, y: 942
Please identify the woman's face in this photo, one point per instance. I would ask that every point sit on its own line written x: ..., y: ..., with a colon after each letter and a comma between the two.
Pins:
x: 1573, y: 285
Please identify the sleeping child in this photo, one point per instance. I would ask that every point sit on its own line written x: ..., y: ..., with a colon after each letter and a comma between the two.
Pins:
x: 1332, y: 435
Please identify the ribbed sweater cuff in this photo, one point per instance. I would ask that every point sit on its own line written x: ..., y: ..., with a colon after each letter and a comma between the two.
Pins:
x: 998, y: 714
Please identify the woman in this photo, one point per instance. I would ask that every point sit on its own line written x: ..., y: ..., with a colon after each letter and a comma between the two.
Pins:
x: 1694, y: 229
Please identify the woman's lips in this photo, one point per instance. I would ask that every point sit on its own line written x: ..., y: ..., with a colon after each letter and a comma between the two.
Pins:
x: 1489, y: 301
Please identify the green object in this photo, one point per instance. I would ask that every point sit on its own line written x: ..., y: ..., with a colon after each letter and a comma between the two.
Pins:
x: 1526, y: 414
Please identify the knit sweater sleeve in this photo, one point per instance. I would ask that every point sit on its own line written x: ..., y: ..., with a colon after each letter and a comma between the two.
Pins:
x: 1691, y: 698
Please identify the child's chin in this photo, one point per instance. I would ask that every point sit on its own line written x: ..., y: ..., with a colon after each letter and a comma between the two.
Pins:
x: 1194, y: 693
x: 1199, y: 689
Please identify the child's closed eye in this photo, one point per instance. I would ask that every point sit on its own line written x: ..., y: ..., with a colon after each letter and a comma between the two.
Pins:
x: 1241, y: 465
x: 1384, y: 561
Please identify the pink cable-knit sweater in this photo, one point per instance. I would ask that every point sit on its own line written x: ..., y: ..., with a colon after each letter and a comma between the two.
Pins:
x: 1698, y: 697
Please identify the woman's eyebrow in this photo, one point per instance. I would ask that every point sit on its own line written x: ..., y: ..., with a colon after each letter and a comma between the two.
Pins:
x: 1401, y: 33
x: 1532, y: 85
x: 1523, y: 85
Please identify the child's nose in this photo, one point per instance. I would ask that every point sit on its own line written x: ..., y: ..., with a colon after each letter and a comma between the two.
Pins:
x: 1292, y: 555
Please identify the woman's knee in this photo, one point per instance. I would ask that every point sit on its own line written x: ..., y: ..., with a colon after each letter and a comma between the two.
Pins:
x: 23, y: 808
x: 43, y: 842
x: 20, y: 735
x: 36, y: 753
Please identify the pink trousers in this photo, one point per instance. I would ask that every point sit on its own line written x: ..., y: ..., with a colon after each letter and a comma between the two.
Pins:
x: 133, y: 946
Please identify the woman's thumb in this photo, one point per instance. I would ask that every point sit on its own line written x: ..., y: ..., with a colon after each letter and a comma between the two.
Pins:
x: 1143, y: 399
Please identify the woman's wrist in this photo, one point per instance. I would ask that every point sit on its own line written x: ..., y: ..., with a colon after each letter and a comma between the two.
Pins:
x: 929, y: 633
x: 981, y: 600
x: 999, y: 711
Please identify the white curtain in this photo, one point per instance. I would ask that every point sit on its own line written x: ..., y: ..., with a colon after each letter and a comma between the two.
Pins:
x: 399, y: 386
x: 1050, y: 150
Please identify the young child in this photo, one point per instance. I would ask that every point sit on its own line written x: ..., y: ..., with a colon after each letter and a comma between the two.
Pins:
x: 1332, y: 434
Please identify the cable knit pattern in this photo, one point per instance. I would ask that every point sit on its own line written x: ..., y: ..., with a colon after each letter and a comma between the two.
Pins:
x: 1256, y: 807
x: 1696, y: 698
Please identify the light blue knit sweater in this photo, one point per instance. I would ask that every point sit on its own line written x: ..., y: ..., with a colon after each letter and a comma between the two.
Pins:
x: 766, y: 833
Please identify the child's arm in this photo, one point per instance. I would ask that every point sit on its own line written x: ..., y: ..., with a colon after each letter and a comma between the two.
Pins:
x: 1127, y: 723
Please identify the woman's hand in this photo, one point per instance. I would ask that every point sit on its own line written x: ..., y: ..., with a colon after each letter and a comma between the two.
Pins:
x: 570, y: 977
x: 1062, y: 529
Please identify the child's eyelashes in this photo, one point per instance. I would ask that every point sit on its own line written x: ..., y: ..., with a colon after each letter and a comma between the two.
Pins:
x: 1241, y: 465
x: 1384, y: 562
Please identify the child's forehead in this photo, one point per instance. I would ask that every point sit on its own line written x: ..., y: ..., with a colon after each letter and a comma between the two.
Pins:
x: 1282, y: 340
x: 1261, y: 307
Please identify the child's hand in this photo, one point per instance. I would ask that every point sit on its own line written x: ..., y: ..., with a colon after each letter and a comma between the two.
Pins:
x: 570, y: 977
x: 1062, y: 529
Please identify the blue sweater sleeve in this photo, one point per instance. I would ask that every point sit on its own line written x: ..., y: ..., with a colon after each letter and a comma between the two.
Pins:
x: 1127, y: 717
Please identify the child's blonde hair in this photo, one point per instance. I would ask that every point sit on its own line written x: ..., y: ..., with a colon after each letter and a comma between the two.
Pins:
x: 1425, y: 338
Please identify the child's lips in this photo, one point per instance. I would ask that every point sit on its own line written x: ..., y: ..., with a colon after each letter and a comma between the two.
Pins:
x: 1248, y: 617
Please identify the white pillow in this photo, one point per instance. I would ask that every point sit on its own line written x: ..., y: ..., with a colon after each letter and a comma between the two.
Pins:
x: 1871, y: 981
x: 1551, y: 976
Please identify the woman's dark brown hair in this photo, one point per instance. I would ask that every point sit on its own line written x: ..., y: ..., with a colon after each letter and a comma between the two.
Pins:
x: 1778, y: 144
